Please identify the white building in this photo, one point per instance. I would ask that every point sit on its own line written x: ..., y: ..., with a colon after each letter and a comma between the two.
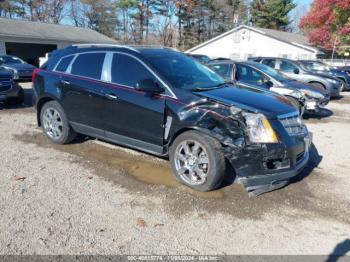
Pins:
x: 245, y: 41
x: 31, y: 40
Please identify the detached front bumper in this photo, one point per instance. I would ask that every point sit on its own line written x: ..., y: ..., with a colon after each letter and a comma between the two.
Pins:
x: 269, y: 180
x: 314, y: 105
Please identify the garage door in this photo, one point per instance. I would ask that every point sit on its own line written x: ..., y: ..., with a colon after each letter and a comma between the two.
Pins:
x: 29, y: 52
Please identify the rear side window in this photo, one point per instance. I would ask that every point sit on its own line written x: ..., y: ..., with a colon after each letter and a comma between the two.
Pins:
x: 89, y: 65
x: 128, y: 71
x: 64, y: 63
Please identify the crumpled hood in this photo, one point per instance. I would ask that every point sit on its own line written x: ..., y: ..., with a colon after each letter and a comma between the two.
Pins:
x: 300, y: 85
x: 21, y: 67
x: 251, y: 99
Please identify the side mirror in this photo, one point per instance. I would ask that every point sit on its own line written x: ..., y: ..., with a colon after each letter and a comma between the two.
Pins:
x: 269, y: 83
x: 296, y: 71
x: 150, y: 86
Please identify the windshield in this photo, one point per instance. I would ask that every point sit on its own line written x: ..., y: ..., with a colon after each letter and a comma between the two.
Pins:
x: 10, y: 60
x: 184, y: 72
x: 271, y: 72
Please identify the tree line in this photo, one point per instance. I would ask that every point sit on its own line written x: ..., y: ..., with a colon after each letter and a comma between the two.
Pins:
x: 176, y: 23
x: 327, y: 25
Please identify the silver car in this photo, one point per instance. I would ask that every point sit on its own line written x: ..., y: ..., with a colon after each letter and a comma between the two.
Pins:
x: 302, y: 95
x: 297, y: 71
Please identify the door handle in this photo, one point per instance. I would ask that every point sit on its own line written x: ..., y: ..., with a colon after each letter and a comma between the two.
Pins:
x: 65, y: 82
x: 112, y: 96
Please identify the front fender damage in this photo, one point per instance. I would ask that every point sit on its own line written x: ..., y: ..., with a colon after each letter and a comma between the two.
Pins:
x: 227, y: 125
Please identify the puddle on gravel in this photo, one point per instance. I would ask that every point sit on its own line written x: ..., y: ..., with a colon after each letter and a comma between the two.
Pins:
x: 144, y: 169
x: 145, y: 174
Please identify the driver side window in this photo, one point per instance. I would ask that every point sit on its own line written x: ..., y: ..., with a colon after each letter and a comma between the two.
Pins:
x: 248, y: 74
x: 222, y: 69
x: 128, y: 71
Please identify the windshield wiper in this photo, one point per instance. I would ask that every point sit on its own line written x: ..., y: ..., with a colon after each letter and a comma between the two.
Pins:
x: 213, y: 87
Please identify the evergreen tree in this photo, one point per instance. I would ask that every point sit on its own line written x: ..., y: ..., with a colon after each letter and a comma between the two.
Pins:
x: 271, y: 14
x: 101, y: 16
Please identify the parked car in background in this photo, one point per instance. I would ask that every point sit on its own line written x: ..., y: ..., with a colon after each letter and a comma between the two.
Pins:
x: 220, y: 59
x: 163, y: 102
x: 21, y: 70
x: 345, y: 69
x: 10, y: 92
x: 320, y: 67
x: 201, y: 58
x: 297, y: 71
x: 251, y: 73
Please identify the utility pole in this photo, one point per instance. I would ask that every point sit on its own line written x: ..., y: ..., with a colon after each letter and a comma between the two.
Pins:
x: 334, y: 47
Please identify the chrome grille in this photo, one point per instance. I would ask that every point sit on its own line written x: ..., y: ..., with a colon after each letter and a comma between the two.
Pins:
x: 293, y: 124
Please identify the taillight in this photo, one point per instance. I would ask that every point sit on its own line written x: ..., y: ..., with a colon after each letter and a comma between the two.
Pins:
x: 35, y: 73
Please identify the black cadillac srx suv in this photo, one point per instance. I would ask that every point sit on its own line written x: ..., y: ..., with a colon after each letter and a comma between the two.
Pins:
x: 162, y: 102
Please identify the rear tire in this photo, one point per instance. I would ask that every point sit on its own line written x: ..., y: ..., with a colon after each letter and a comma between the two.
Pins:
x: 197, y: 161
x: 55, y: 123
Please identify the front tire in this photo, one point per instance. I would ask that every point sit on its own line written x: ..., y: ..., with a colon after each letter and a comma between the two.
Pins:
x: 55, y: 123
x: 197, y: 161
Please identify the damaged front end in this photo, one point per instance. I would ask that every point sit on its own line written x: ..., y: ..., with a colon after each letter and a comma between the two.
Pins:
x: 265, y: 153
x: 315, y: 101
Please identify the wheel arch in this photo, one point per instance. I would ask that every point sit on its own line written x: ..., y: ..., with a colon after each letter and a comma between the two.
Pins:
x: 341, y: 78
x: 186, y: 129
x: 318, y: 82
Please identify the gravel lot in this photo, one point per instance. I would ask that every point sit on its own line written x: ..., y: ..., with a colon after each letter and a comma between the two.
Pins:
x: 95, y: 198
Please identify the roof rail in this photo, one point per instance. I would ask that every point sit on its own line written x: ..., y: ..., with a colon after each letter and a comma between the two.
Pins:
x: 153, y: 46
x: 103, y: 45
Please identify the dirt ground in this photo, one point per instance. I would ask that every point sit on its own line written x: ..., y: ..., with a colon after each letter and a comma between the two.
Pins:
x: 91, y: 197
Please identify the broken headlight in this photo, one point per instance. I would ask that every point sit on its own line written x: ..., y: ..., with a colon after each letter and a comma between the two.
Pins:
x: 312, y: 94
x: 297, y: 94
x: 259, y: 128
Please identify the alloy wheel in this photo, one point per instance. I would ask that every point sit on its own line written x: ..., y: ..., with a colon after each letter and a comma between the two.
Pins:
x: 192, y: 162
x: 53, y: 124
